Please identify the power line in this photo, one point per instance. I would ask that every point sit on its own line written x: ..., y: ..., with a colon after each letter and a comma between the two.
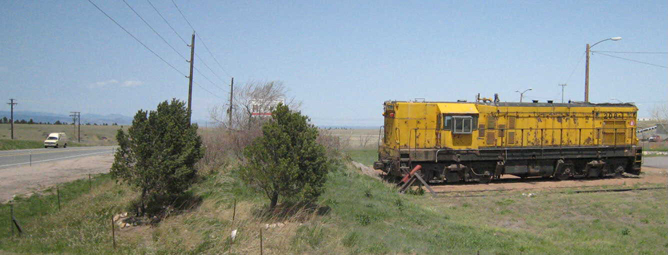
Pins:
x: 149, y: 49
x: 170, y: 45
x: 635, y: 52
x: 207, y: 66
x: 633, y: 60
x: 156, y: 32
x: 170, y: 26
x: 200, y: 37
x: 136, y: 39
x: 184, y: 41
x: 200, y: 86
x: 576, y: 67
x: 207, y: 78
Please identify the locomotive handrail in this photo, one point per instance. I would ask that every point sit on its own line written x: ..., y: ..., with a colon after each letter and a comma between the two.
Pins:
x: 597, y: 135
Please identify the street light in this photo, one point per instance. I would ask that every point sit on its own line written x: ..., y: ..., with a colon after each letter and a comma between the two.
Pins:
x: 587, y: 64
x: 562, y: 91
x: 522, y: 93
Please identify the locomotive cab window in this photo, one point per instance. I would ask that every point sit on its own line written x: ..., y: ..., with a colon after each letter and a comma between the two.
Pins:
x: 460, y: 124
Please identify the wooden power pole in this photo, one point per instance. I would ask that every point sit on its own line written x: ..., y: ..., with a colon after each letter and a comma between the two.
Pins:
x: 190, y: 78
x: 76, y: 116
x: 231, y: 102
x: 11, y: 117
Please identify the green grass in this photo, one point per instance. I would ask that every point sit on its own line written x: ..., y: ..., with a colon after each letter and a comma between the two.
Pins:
x: 90, y: 135
x: 358, y: 215
x: 19, y: 144
x: 81, y: 226
x: 6, y: 144
x: 364, y: 156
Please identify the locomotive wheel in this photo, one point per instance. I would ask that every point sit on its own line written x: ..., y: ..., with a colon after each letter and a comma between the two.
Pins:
x: 619, y: 170
x: 564, y: 173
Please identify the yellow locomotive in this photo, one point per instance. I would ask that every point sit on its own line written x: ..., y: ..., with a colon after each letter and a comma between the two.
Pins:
x: 481, y: 141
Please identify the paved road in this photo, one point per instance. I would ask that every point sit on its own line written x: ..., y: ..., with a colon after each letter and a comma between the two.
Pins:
x: 658, y: 162
x: 13, y: 158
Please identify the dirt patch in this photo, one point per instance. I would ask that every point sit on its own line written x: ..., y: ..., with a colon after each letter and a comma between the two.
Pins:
x: 650, y: 175
x: 367, y: 170
x: 29, y: 179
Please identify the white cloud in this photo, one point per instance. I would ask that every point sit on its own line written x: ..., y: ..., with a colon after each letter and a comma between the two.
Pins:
x: 114, y: 82
x: 131, y: 83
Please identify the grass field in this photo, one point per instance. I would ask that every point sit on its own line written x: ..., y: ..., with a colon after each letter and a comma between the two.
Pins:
x: 90, y: 135
x: 357, y: 138
x: 358, y: 214
x: 6, y: 144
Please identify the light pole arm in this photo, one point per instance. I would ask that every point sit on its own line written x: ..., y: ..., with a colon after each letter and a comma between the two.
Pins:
x: 599, y: 42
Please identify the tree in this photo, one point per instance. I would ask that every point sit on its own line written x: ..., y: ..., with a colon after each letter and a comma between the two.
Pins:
x: 158, y: 154
x: 31, y: 121
x: 286, y: 160
x: 4, y: 120
x: 244, y: 127
x: 57, y: 122
x: 259, y: 95
x: 660, y: 115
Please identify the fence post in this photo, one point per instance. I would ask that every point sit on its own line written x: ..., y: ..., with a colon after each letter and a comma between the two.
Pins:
x: 11, y: 216
x: 113, y: 231
x: 30, y: 158
x: 58, y: 195
x: 261, y: 248
x: 90, y: 185
x: 234, y: 212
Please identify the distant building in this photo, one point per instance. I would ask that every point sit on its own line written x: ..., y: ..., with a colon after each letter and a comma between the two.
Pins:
x: 264, y: 107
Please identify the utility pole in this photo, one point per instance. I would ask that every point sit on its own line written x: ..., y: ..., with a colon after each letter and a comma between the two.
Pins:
x: 587, y: 76
x: 74, y: 123
x: 229, y: 113
x: 76, y: 116
x: 11, y: 118
x: 562, y: 91
x: 79, y: 133
x: 190, y: 78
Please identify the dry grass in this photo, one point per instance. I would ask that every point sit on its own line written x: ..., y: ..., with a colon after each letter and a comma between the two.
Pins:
x: 363, y: 215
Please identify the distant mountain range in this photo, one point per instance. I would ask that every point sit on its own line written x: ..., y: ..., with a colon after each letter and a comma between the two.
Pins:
x: 53, y: 117
x: 119, y: 119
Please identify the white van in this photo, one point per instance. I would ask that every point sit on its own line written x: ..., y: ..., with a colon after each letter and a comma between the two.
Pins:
x: 56, y: 139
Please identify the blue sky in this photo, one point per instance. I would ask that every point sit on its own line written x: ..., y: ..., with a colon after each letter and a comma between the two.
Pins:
x: 342, y: 59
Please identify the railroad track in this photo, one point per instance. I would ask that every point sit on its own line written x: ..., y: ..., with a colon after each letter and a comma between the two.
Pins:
x: 561, y: 192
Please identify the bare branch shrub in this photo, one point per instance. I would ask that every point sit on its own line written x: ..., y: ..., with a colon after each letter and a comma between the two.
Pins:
x: 660, y: 115
x: 253, y: 97
x: 333, y: 144
x: 216, y: 142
